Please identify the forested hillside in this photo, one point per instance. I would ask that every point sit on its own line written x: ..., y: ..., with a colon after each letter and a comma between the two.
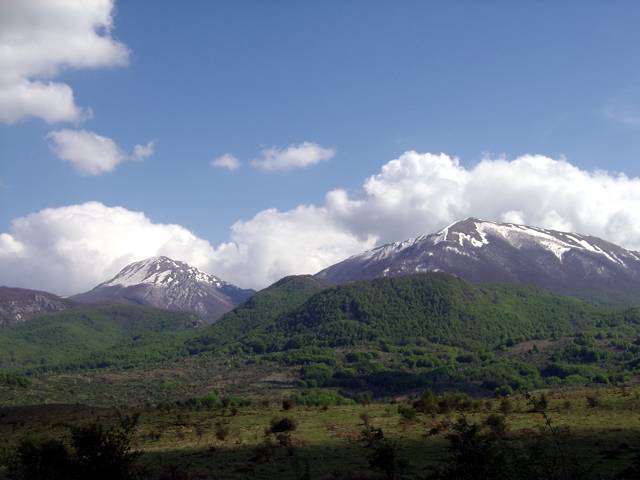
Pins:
x: 94, y: 337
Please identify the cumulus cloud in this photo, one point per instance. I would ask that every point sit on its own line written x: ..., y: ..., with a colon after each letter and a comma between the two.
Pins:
x: 418, y: 194
x: 227, y: 161
x: 71, y: 249
x: 41, y: 38
x: 90, y: 153
x: 303, y: 155
x: 140, y: 152
x: 412, y: 195
x: 274, y: 244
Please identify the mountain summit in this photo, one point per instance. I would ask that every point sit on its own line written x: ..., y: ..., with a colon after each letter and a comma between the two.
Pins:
x: 485, y: 251
x: 165, y: 283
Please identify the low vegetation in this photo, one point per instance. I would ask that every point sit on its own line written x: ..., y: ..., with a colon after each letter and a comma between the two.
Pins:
x: 446, y: 437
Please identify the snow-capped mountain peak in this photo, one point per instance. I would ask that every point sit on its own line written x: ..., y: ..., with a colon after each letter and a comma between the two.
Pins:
x: 474, y: 232
x: 161, y: 271
x: 166, y: 283
x: 487, y: 251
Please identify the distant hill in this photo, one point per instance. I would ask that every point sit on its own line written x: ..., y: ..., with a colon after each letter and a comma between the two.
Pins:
x: 433, y: 307
x: 165, y: 283
x: 20, y: 304
x: 95, y: 337
x: 429, y: 330
x: 264, y: 308
x: 483, y: 251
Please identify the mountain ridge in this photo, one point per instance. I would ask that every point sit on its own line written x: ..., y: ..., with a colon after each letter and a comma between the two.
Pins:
x: 492, y: 252
x: 20, y: 304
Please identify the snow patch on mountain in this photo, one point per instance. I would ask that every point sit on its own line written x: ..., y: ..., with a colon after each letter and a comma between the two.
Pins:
x: 160, y: 271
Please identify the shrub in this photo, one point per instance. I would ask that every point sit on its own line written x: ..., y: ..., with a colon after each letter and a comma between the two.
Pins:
x: 539, y: 404
x: 504, y: 391
x: 592, y: 401
x: 497, y: 424
x: 506, y: 406
x: 427, y: 403
x: 407, y: 412
x: 385, y: 457
x: 222, y: 430
x: 371, y: 435
x: 49, y: 460
x: 105, y: 453
x: 97, y: 453
x: 284, y: 424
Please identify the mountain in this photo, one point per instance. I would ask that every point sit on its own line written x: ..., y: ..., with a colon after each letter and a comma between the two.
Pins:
x: 165, y: 283
x: 484, y: 251
x: 19, y: 304
x: 431, y: 306
x: 427, y: 330
x: 262, y: 309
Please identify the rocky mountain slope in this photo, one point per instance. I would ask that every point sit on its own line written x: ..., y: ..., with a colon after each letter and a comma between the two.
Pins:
x: 484, y: 251
x: 20, y: 304
x: 165, y: 283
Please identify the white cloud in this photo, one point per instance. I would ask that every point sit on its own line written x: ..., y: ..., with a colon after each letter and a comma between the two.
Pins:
x: 420, y: 193
x: 294, y: 156
x: 417, y: 194
x: 92, y: 154
x: 411, y: 195
x: 88, y: 152
x: 140, y: 152
x: 41, y: 38
x: 274, y: 244
x: 52, y: 102
x: 227, y: 161
x: 71, y: 249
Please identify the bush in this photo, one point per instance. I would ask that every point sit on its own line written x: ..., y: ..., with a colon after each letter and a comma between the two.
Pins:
x: 539, y: 404
x: 497, y: 424
x: 284, y: 424
x: 504, y: 391
x: 427, y: 403
x: 371, y: 435
x: 105, y: 453
x: 48, y: 461
x: 474, y: 454
x: 222, y: 430
x: 316, y: 375
x: 98, y: 453
x: 506, y: 406
x: 385, y: 458
x: 407, y: 412
x: 592, y: 401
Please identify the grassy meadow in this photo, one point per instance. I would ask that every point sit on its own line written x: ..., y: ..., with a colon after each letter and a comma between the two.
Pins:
x: 595, y: 432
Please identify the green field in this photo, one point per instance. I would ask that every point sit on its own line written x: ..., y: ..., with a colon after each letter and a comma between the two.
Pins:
x: 594, y: 428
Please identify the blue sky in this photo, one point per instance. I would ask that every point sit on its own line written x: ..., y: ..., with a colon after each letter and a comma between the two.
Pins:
x: 371, y: 79
x: 368, y: 79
